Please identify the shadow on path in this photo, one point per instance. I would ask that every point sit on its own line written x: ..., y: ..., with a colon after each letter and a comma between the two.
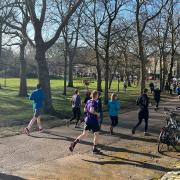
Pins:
x: 123, y: 161
x: 10, y: 177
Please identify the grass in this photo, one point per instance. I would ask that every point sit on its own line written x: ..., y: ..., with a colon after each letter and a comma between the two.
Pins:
x: 16, y: 111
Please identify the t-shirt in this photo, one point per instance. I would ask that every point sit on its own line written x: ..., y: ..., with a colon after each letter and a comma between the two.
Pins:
x: 38, y: 97
x: 76, y: 101
x: 91, y: 118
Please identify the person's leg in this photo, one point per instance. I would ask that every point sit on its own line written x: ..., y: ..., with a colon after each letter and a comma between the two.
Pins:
x: 39, y: 123
x: 116, y: 121
x: 74, y: 114
x: 112, y: 124
x: 78, y: 115
x: 96, y: 138
x: 135, y: 127
x: 146, y: 125
x: 73, y: 144
x: 101, y: 119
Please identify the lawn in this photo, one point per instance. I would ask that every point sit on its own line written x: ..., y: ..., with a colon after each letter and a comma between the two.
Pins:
x: 16, y: 111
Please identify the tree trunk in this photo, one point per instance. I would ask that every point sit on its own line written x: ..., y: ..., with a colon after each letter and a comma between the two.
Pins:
x: 99, y: 80
x: 106, y: 91
x: 44, y: 80
x: 70, y: 81
x: 142, y: 62
x: 23, y: 71
x: 0, y: 39
x: 65, y: 71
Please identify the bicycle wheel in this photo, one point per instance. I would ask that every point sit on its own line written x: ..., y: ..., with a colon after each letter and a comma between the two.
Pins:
x: 162, y: 146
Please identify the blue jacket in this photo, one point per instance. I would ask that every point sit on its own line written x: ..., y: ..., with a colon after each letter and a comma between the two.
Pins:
x: 113, y: 107
x: 37, y: 97
x: 178, y: 90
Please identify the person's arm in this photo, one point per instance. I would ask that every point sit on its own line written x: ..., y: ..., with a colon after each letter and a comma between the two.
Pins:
x: 92, y: 111
x: 31, y: 97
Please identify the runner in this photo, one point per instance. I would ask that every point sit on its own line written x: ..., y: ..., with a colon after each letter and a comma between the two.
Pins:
x: 143, y: 103
x: 87, y: 98
x: 76, y: 107
x: 178, y: 91
x: 113, y: 106
x: 100, y: 110
x: 125, y: 85
x: 91, y: 122
x: 157, y: 97
x: 37, y: 97
x: 151, y: 86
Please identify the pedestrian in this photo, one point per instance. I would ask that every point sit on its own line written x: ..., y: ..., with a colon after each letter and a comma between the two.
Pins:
x: 174, y: 86
x: 113, y: 107
x: 151, y: 86
x: 100, y: 109
x: 157, y: 97
x: 91, y: 123
x: 125, y: 85
x: 76, y: 107
x: 87, y: 98
x: 178, y: 91
x: 171, y: 89
x: 143, y: 103
x: 37, y: 96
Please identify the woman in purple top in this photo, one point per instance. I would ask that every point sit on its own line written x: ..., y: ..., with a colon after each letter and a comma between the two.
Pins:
x: 91, y: 122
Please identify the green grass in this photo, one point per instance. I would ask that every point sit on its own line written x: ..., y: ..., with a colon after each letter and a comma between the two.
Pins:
x: 16, y: 111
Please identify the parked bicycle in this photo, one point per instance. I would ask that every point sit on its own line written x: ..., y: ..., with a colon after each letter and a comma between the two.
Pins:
x: 170, y: 134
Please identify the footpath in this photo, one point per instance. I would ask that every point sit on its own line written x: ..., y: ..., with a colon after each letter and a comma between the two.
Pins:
x: 45, y: 155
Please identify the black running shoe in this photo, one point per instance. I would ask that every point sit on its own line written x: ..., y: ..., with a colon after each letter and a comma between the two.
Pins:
x: 71, y: 148
x: 96, y: 151
x: 133, y: 131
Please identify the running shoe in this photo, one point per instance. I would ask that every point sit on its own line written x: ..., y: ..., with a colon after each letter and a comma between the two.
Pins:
x: 71, y: 148
x: 96, y: 151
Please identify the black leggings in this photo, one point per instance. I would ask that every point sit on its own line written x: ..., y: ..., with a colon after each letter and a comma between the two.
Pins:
x: 140, y: 121
x: 114, y: 121
x: 76, y: 114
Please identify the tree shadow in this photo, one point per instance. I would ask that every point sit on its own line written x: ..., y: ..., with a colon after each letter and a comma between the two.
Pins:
x: 123, y: 161
x: 104, y: 147
x: 131, y: 137
x: 10, y: 177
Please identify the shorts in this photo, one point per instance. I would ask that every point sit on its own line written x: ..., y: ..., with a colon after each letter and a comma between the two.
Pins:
x: 92, y: 127
x: 37, y: 113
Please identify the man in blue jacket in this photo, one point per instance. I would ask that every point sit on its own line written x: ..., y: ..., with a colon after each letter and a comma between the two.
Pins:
x: 37, y: 97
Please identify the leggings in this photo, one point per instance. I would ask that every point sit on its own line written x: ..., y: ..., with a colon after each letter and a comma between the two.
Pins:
x: 140, y: 121
x: 114, y: 121
x: 76, y: 114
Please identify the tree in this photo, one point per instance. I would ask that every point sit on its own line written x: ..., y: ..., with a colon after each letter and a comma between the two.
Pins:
x: 42, y: 46
x: 16, y: 26
x: 143, y: 17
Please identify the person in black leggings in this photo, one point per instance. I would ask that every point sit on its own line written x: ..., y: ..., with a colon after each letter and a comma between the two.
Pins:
x: 143, y: 103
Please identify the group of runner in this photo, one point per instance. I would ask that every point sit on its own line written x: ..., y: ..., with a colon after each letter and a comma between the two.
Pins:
x: 93, y: 112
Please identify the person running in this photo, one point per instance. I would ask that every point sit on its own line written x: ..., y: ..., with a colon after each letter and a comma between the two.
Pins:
x: 151, y: 86
x: 178, y: 91
x: 125, y: 85
x: 87, y: 98
x: 143, y: 103
x: 91, y: 122
x: 37, y: 97
x: 76, y: 107
x: 100, y: 110
x: 157, y: 97
x: 113, y: 107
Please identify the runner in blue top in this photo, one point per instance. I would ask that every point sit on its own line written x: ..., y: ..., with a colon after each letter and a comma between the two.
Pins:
x: 178, y: 91
x: 37, y: 97
x: 113, y: 107
x: 91, y: 122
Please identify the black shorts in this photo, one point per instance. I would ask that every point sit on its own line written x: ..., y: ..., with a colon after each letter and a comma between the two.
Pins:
x: 37, y: 113
x: 92, y: 127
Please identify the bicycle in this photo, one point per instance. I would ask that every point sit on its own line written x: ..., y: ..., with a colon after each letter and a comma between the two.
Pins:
x: 169, y: 135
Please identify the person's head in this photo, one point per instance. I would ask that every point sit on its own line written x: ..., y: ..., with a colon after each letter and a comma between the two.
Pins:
x: 88, y: 94
x: 76, y: 91
x: 113, y: 97
x: 94, y: 95
x: 145, y: 91
x: 39, y: 86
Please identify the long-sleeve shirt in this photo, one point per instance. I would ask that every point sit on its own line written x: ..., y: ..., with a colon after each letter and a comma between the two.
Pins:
x: 113, y: 107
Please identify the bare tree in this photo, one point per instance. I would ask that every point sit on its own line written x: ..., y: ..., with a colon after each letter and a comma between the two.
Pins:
x: 42, y: 46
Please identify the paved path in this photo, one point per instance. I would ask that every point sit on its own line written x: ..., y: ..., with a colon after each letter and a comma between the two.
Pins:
x: 46, y: 155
